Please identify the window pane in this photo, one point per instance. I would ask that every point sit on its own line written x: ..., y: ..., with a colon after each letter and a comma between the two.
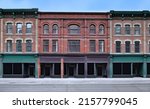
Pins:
x: 92, y: 29
x: 28, y: 45
x: 137, y: 29
x: 101, y: 29
x: 127, y: 29
x: 46, y: 29
x: 28, y: 28
x: 118, y: 46
x: 9, y: 28
x: 118, y: 29
x: 19, y: 46
x: 74, y: 29
x: 137, y: 46
x: 92, y: 46
x: 55, y: 46
x: 74, y: 46
x: 45, y: 45
x: 55, y: 29
x: 127, y: 45
x: 19, y: 28
x: 101, y: 46
x: 9, y: 46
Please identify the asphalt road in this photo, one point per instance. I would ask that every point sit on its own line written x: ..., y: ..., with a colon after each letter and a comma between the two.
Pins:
x: 75, y: 85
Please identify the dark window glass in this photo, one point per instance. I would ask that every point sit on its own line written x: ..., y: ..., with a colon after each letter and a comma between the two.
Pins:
x: 118, y: 29
x: 74, y: 29
x: 28, y: 45
x: 127, y: 29
x: 137, y: 46
x: 127, y: 45
x: 45, y: 45
x: 118, y: 46
x: 55, y: 46
x: 74, y: 46
x: 46, y: 29
x: 101, y: 29
x: 19, y: 28
x: 9, y: 28
x: 101, y: 46
x: 28, y: 28
x: 137, y: 29
x: 19, y: 46
x: 9, y: 46
x: 92, y: 46
x: 55, y: 29
x: 92, y: 29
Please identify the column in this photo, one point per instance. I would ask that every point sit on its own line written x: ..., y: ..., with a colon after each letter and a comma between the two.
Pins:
x: 144, y: 68
x: 22, y: 69
x: 1, y: 67
x: 53, y: 68
x: 131, y: 69
x: 37, y: 68
x: 95, y: 74
x: 77, y: 70
x: 110, y: 75
x: 62, y: 67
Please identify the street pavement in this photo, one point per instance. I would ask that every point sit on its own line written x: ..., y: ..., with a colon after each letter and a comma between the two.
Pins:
x: 75, y: 85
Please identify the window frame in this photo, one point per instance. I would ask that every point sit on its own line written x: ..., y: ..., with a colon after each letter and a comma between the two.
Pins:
x: 118, y: 46
x: 127, y: 29
x: 55, y: 29
x: 8, y: 28
x: 137, y: 48
x: 92, y: 29
x: 101, y: 29
x: 92, y: 47
x: 45, y: 46
x: 118, y: 29
x: 73, y: 29
x: 19, y: 28
x: 9, y: 46
x: 55, y: 46
x: 28, y: 45
x: 45, y: 29
x: 73, y: 46
x: 18, y: 46
x: 101, y: 46
x: 28, y: 30
x: 127, y: 46
x: 137, y: 29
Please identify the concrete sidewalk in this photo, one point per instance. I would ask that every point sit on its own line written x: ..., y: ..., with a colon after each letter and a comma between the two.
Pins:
x: 75, y: 81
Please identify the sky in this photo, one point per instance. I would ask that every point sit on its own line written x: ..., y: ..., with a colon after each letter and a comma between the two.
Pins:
x: 78, y: 5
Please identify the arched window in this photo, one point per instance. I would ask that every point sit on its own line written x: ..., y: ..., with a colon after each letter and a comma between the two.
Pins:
x: 46, y: 29
x: 28, y: 28
x: 117, y: 29
x: 137, y: 29
x: 92, y: 29
x: 19, y: 46
x: 74, y: 29
x: 137, y: 46
x: 9, y: 28
x: 101, y: 29
x: 28, y: 45
x: 19, y: 28
x: 127, y: 45
x: 9, y: 46
x: 127, y: 29
x: 118, y: 46
x: 55, y: 29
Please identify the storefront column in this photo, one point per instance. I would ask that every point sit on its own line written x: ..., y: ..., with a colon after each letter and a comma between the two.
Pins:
x: 62, y: 67
x: 22, y: 69
x: 144, y: 68
x: 37, y: 68
x: 110, y: 68
x: 95, y: 72
x: 1, y: 67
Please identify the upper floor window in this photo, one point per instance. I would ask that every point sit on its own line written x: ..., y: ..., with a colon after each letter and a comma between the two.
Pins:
x: 101, y: 46
x: 74, y: 29
x: 46, y: 29
x: 92, y: 29
x: 101, y: 29
x: 127, y: 29
x: 9, y: 28
x: 118, y: 46
x: 118, y: 29
x: 149, y: 29
x: 55, y: 29
x: 92, y: 46
x: 28, y: 45
x: 9, y: 46
x: 137, y: 46
x: 137, y: 29
x: 127, y: 46
x: 28, y: 28
x: 19, y: 46
x: 19, y: 28
x: 45, y: 45
x: 74, y: 46
x: 54, y: 45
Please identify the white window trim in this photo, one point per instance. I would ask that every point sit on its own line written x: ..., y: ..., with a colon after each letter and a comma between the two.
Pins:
x: 137, y: 40
x: 128, y: 40
x: 18, y: 39
x: 28, y: 39
x: 136, y: 24
x: 29, y: 22
x: 9, y: 22
x: 9, y: 39
x: 18, y: 22
x: 117, y: 24
x: 127, y: 24
x: 118, y: 40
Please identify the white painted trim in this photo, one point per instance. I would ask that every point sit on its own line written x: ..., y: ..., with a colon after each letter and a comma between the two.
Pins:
x: 9, y: 39
x: 117, y: 24
x: 18, y: 22
x: 128, y: 40
x: 136, y: 24
x: 18, y: 39
x: 127, y: 24
x: 137, y: 40
x: 29, y: 22
x: 28, y: 39
x: 9, y: 22
x: 118, y: 40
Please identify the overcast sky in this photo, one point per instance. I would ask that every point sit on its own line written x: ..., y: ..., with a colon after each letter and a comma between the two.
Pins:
x: 77, y: 5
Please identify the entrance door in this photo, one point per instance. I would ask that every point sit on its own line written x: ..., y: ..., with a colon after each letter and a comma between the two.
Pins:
x: 71, y: 69
x: 99, y: 70
x: 31, y: 71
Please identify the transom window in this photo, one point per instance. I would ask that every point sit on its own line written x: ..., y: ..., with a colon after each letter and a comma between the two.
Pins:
x: 19, y: 28
x: 118, y: 29
x: 137, y: 46
x: 137, y: 29
x: 28, y: 45
x: 127, y: 29
x: 55, y: 29
x: 28, y: 28
x: 127, y: 45
x: 118, y: 46
x: 92, y: 29
x: 73, y: 46
x: 9, y: 46
x: 46, y: 29
x: 9, y: 28
x: 74, y: 29
x: 101, y: 29
x: 19, y: 46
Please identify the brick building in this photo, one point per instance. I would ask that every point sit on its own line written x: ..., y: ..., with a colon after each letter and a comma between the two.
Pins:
x: 74, y: 44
